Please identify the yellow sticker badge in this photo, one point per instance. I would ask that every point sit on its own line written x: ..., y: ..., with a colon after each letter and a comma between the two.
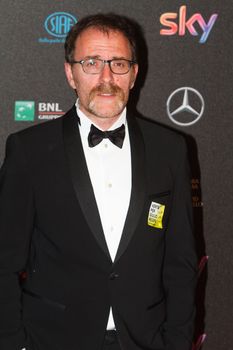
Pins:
x: 155, y: 217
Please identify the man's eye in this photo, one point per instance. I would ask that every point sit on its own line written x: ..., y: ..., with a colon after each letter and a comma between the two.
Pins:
x: 119, y: 64
x: 91, y: 63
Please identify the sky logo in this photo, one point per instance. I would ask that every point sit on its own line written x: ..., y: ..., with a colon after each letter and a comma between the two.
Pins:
x: 58, y: 24
x: 183, y: 24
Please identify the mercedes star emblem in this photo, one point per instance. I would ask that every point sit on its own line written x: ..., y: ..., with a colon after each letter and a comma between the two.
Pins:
x: 179, y: 109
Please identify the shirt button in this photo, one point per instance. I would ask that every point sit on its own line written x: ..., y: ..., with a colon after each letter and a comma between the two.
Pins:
x: 113, y: 276
x: 109, y: 185
x: 105, y: 145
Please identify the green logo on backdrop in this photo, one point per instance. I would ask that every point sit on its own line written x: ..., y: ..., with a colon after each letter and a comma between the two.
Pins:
x: 24, y: 111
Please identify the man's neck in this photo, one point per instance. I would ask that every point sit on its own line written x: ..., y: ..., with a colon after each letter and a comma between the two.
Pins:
x: 103, y: 123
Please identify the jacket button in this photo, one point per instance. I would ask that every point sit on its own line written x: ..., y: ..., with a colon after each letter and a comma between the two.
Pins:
x: 113, y: 276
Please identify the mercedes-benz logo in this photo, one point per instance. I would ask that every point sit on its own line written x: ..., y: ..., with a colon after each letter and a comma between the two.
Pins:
x: 179, y: 109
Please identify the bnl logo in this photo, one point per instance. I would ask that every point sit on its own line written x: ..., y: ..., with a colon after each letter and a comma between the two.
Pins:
x: 180, y: 26
x: 24, y: 110
x: 59, y: 23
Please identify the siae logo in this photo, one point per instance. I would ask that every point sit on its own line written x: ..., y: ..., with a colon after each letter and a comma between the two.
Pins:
x: 58, y: 24
x: 180, y: 26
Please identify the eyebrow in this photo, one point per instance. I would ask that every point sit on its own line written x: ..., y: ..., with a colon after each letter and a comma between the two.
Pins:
x: 99, y: 57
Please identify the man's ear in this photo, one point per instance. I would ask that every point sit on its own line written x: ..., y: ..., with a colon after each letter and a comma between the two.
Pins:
x: 134, y: 75
x: 69, y: 74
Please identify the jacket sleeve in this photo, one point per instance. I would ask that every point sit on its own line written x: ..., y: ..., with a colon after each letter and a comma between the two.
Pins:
x: 16, y: 222
x: 180, y: 264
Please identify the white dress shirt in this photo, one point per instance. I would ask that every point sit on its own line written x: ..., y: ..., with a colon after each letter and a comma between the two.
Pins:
x: 110, y: 172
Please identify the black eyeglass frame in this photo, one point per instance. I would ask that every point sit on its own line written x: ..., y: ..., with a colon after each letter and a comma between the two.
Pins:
x: 131, y: 63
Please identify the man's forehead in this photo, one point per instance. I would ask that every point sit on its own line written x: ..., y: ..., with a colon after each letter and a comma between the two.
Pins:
x: 95, y: 41
x: 92, y: 33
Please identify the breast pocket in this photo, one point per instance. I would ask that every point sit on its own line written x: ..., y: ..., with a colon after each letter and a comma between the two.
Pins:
x: 158, y: 210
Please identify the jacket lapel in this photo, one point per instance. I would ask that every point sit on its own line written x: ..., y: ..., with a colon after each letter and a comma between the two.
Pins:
x: 137, y: 199
x: 80, y: 177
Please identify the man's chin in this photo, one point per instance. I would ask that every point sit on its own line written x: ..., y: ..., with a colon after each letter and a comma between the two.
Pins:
x: 105, y: 115
x: 106, y: 110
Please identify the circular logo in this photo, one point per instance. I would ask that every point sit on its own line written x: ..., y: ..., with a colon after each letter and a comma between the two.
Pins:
x: 185, y: 106
x: 59, y: 23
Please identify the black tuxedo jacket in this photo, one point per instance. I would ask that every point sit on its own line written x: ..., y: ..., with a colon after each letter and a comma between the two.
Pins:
x: 50, y: 227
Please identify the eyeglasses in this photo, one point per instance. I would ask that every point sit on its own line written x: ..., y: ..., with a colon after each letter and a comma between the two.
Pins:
x: 96, y: 65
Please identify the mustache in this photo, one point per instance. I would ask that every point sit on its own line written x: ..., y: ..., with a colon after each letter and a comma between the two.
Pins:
x: 106, y: 89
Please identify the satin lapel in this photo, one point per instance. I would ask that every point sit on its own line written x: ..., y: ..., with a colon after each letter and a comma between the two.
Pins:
x: 138, y: 185
x: 80, y: 177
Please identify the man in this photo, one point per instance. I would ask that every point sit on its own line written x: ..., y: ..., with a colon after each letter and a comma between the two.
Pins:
x: 95, y: 207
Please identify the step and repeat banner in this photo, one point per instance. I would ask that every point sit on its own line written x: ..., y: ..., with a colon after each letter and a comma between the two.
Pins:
x: 185, y: 83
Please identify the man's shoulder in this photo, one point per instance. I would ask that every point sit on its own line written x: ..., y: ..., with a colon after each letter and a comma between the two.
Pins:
x: 153, y: 131
x: 37, y: 140
x: 44, y: 129
x: 167, y: 144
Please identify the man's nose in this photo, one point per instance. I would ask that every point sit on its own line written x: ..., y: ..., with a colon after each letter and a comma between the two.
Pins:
x: 106, y: 74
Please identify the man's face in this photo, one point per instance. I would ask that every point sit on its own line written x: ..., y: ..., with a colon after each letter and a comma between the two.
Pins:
x: 101, y: 96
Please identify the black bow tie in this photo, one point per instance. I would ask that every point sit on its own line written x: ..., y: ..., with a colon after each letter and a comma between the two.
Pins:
x: 115, y: 136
